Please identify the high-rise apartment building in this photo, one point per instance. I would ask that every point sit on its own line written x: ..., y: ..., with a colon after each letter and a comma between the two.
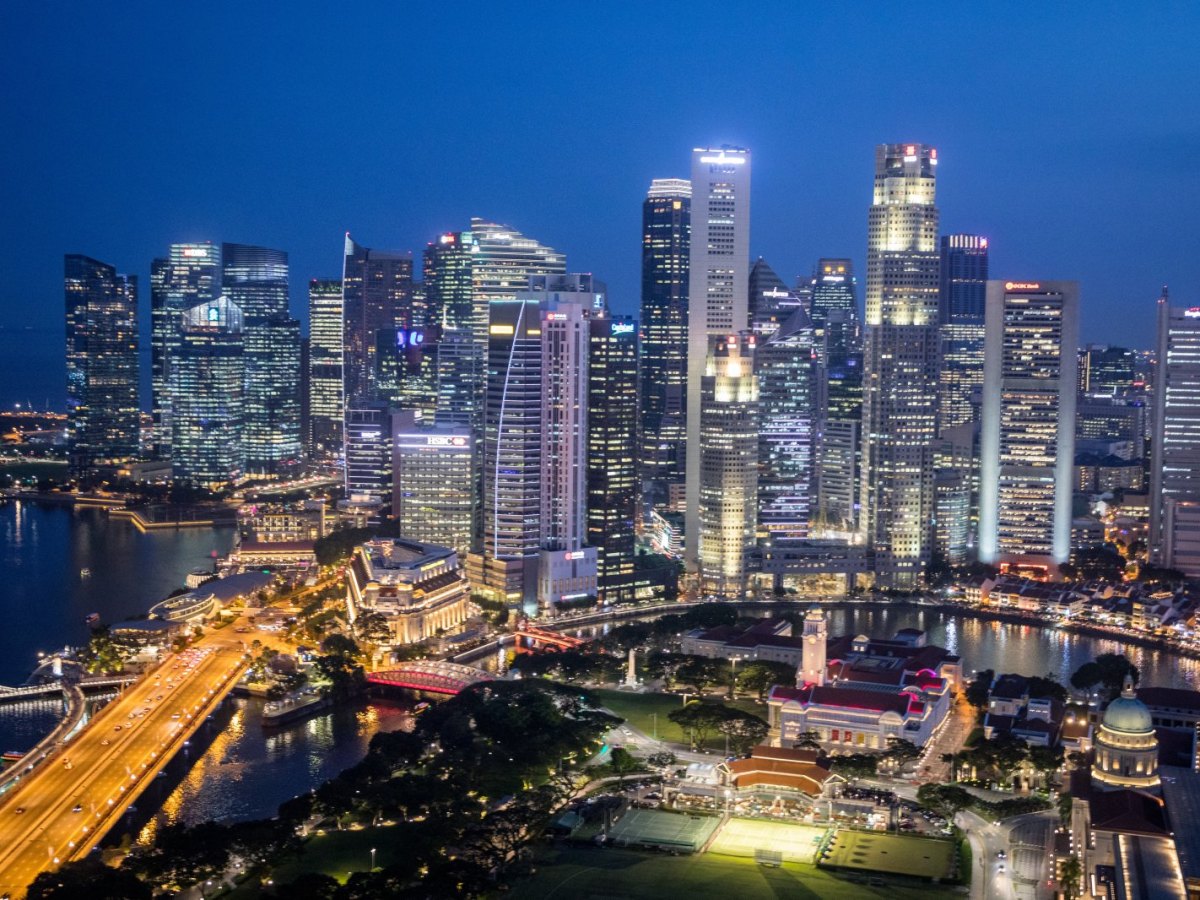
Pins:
x: 900, y: 363
x: 376, y: 294
x: 786, y: 367
x: 208, y: 383
x: 433, y: 478
x: 102, y: 363
x: 255, y: 279
x: 1175, y: 440
x: 718, y: 306
x: 728, y: 445
x: 1027, y: 445
x: 666, y: 239
x: 612, y: 439
x: 326, y: 405
x: 962, y: 288
x: 188, y: 275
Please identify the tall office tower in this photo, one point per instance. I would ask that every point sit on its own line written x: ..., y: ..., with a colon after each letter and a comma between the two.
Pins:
x: 208, y: 381
x: 612, y: 453
x: 376, y: 294
x: 368, y: 439
x: 512, y: 454
x: 786, y: 367
x: 900, y: 363
x: 449, y: 288
x: 255, y: 279
x: 189, y: 274
x: 502, y: 262
x: 406, y: 368
x: 952, y: 515
x: 728, y: 444
x: 433, y: 477
x: 770, y: 301
x: 459, y: 370
x: 1175, y: 441
x: 838, y: 470
x: 102, y: 363
x: 325, y: 400
x: 666, y: 238
x: 1027, y: 445
x: 718, y: 282
x: 1106, y: 371
x: 962, y: 287
x: 834, y: 309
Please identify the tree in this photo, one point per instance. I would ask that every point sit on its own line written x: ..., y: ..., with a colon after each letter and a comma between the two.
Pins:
x: 1072, y: 874
x: 1107, y: 670
x: 88, y: 879
x: 662, y: 759
x: 622, y: 763
x: 759, y: 676
x: 744, y: 729
x: 944, y: 799
x: 1046, y: 688
x: 372, y: 626
x: 698, y: 720
x: 808, y: 740
x: 311, y: 886
x: 900, y: 751
x: 1046, y: 761
x: 854, y: 765
x: 978, y: 690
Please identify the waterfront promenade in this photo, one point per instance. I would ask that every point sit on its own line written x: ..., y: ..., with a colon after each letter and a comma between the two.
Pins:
x: 62, y: 809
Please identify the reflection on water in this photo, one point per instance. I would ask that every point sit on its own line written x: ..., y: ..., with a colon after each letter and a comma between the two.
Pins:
x: 235, y: 769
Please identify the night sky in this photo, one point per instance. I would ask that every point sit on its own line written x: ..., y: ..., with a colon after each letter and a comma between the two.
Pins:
x: 1073, y: 142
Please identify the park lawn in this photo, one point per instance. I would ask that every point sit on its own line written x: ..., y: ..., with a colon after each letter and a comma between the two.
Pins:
x: 639, y: 711
x: 340, y: 853
x: 612, y: 874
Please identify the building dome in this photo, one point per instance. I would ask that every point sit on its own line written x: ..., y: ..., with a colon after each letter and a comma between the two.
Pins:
x: 1127, y: 714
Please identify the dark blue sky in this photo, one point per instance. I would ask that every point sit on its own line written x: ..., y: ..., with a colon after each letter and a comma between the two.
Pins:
x: 1072, y: 141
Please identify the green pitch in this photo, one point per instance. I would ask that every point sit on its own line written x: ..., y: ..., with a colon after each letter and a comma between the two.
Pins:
x: 895, y: 854
x: 741, y: 837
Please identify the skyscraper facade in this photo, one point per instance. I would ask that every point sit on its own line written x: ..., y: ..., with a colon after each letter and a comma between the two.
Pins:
x: 208, y: 382
x: 718, y: 306
x: 1175, y: 441
x: 1027, y: 444
x: 255, y: 279
x: 728, y: 444
x: 835, y: 296
x: 771, y: 302
x: 449, y: 288
x: 786, y: 368
x: 188, y: 275
x: 961, y: 292
x: 612, y: 438
x: 368, y: 449
x: 666, y: 239
x: 433, y: 475
x: 502, y: 262
x: 102, y: 363
x: 376, y: 294
x: 900, y: 363
x: 326, y: 410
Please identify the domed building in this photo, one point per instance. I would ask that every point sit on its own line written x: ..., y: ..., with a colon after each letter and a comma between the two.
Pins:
x: 1126, y: 746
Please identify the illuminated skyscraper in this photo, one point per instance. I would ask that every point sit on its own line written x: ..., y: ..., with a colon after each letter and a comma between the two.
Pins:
x: 433, y: 475
x: 786, y: 366
x: 666, y: 236
x: 255, y: 279
x: 102, y: 363
x: 1027, y: 445
x: 208, y: 381
x: 900, y: 363
x: 449, y: 288
x: 728, y: 445
x: 771, y: 302
x: 1106, y: 371
x: 612, y: 452
x: 368, y: 453
x: 718, y: 283
x: 376, y: 294
x: 188, y: 275
x: 502, y: 262
x: 963, y: 285
x: 325, y: 403
x: 1175, y: 441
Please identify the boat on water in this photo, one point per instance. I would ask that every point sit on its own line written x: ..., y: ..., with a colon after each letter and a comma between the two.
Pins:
x: 12, y: 755
x: 420, y: 708
x: 85, y: 573
x: 92, y: 618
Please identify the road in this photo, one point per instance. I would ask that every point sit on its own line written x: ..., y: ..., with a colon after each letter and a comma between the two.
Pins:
x: 62, y: 809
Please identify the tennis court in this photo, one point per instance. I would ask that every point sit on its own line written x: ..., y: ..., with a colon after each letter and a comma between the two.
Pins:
x: 894, y: 854
x: 655, y: 828
x: 742, y: 837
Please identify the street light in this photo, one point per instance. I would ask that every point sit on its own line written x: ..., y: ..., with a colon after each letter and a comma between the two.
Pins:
x: 372, y: 859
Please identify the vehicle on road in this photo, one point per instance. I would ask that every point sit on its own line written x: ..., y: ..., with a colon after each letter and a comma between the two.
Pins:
x: 19, y: 810
x: 78, y: 807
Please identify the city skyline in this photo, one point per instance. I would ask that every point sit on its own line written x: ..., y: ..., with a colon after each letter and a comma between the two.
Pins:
x: 1024, y: 195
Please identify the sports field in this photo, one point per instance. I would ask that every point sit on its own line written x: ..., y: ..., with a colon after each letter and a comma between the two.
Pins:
x: 742, y: 837
x: 896, y: 854
x: 652, y: 827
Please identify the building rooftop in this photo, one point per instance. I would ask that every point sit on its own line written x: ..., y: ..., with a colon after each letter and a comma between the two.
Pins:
x: 1128, y: 812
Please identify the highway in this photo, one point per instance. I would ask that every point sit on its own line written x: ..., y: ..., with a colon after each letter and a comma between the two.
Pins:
x: 62, y: 809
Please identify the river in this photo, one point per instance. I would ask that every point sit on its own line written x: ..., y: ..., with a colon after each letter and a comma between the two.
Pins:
x: 235, y: 768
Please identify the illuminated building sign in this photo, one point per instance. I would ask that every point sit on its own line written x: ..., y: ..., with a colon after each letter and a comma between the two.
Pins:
x: 445, y: 441
x: 406, y: 338
x: 724, y: 160
x: 500, y: 329
x: 1022, y: 286
x: 574, y: 554
x: 1192, y: 312
x: 622, y: 328
x: 195, y: 251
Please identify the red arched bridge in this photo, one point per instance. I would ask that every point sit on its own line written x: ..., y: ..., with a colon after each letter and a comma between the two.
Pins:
x: 434, y: 676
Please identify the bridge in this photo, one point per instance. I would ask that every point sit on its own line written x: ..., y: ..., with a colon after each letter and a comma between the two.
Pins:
x: 27, y: 691
x: 434, y: 676
x: 533, y: 638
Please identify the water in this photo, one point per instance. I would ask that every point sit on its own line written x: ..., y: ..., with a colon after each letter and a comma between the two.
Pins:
x: 43, y: 597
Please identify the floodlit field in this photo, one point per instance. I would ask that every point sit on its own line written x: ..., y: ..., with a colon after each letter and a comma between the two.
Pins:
x: 896, y: 854
x: 664, y: 829
x: 742, y: 837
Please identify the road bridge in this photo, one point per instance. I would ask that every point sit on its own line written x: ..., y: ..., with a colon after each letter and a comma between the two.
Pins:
x: 435, y: 676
